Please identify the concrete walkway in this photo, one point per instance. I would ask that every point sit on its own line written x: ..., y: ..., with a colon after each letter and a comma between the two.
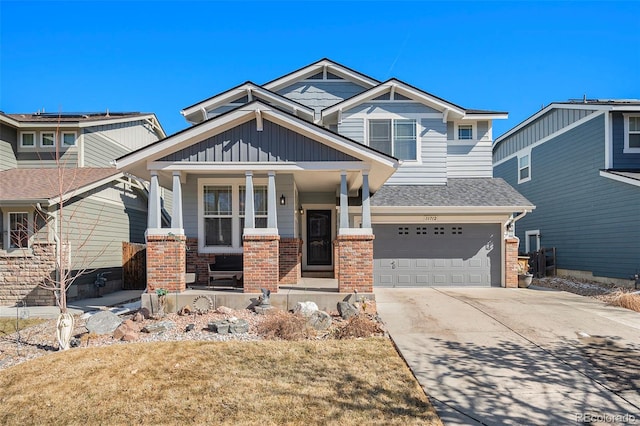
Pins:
x: 76, y: 307
x: 518, y: 356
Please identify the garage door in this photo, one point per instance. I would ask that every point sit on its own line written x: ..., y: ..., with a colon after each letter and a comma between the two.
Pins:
x: 418, y: 255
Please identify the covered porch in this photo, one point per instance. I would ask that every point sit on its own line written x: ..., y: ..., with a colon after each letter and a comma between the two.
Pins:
x: 263, y: 190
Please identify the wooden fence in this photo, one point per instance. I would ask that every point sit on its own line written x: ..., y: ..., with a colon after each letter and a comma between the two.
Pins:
x: 134, y: 266
x: 543, y: 262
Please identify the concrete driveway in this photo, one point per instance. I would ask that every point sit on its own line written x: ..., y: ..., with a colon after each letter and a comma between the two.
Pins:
x: 518, y: 356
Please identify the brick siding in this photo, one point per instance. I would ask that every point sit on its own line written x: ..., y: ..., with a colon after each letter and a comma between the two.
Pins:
x: 354, y: 265
x: 511, y: 262
x: 260, y: 264
x: 166, y: 262
x: 290, y: 260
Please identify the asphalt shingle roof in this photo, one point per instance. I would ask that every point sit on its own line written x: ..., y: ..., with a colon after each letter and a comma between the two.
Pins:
x: 461, y: 192
x: 42, y: 184
x: 72, y: 117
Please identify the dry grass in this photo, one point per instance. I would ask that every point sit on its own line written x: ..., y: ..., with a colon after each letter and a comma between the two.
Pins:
x: 358, y: 326
x: 625, y: 300
x: 349, y: 382
x: 282, y: 325
x: 10, y: 325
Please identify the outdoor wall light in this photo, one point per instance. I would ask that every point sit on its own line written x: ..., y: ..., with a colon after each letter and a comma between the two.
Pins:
x: 300, y: 210
x: 283, y: 200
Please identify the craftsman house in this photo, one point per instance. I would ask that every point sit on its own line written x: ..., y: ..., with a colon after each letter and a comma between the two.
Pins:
x: 49, y: 160
x: 327, y: 170
x: 579, y: 162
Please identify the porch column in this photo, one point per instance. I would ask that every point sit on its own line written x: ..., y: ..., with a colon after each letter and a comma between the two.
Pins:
x: 153, y: 218
x: 176, y: 214
x: 272, y: 218
x: 366, y: 205
x: 249, y: 209
x: 344, y: 202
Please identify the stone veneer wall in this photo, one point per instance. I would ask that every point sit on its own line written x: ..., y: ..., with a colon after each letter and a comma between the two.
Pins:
x: 354, y: 263
x: 511, y: 262
x: 21, y: 275
x: 290, y: 260
x: 166, y: 260
x: 260, y: 263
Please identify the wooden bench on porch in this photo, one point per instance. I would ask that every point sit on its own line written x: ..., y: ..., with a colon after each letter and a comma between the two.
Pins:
x: 227, y: 267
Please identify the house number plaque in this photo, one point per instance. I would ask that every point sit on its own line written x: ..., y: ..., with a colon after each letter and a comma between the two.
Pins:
x: 430, y: 218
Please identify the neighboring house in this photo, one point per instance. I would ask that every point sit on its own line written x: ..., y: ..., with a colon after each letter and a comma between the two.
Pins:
x: 327, y: 170
x: 49, y: 160
x: 579, y: 162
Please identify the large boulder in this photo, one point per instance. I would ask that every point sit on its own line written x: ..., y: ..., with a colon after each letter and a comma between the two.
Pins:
x: 159, y: 327
x: 103, y: 322
x: 305, y: 308
x: 320, y: 320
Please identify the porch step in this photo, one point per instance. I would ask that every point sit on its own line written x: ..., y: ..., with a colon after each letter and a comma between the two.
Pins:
x: 317, y: 274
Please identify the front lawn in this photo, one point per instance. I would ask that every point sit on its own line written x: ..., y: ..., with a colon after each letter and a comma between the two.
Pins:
x: 346, y: 382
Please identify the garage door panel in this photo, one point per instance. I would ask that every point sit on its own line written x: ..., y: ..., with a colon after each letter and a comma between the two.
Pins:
x: 442, y: 255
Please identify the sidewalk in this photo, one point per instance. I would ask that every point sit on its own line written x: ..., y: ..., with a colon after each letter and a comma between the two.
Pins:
x: 76, y: 307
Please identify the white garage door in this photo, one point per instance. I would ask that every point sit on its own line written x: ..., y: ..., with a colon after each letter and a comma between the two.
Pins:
x: 419, y: 255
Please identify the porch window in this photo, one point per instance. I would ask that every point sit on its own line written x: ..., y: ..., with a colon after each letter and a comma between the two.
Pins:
x: 394, y: 137
x: 18, y: 230
x: 224, y: 213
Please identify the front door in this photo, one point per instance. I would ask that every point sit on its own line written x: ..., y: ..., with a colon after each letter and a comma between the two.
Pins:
x: 319, y: 247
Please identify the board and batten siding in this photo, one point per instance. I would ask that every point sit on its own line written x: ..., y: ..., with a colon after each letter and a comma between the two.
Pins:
x: 320, y: 94
x: 620, y: 159
x: 244, y: 143
x: 8, y: 147
x: 132, y: 135
x: 545, y: 125
x: 284, y: 186
x: 589, y: 219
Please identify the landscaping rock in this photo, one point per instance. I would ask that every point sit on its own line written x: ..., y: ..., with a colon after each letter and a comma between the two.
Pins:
x: 104, y: 322
x: 130, y: 336
x: 224, y: 310
x: 159, y: 327
x: 146, y: 314
x: 347, y: 310
x: 185, y: 310
x: 320, y: 320
x: 75, y: 343
x: 189, y: 328
x: 229, y: 326
x: 305, y: 308
x: 138, y: 317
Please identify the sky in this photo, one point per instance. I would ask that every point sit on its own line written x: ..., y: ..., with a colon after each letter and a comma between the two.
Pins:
x: 160, y: 57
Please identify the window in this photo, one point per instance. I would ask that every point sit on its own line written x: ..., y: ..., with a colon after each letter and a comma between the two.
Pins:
x: 394, y: 137
x: 47, y: 139
x: 632, y: 134
x: 223, y: 213
x: 28, y: 139
x: 465, y: 131
x: 68, y: 138
x: 524, y: 167
x: 18, y: 230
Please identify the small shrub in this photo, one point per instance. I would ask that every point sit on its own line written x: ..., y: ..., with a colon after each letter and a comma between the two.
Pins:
x: 285, y: 326
x: 358, y: 326
x: 626, y: 300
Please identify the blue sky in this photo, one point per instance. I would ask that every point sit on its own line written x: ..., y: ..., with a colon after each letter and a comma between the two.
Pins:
x: 163, y: 56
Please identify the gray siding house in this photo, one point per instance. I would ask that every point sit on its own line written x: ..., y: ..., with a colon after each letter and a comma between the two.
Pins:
x: 327, y: 170
x: 579, y: 162
x: 51, y: 159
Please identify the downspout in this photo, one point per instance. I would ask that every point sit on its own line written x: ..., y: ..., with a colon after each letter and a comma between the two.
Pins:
x: 513, y: 220
x: 55, y: 237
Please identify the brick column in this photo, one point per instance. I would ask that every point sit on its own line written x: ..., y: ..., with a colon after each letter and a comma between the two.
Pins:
x: 511, y: 262
x: 354, y: 263
x: 166, y: 262
x: 260, y: 263
x: 290, y: 260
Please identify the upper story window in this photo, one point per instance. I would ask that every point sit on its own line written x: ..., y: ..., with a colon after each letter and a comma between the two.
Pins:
x: 28, y: 139
x: 68, y: 139
x: 632, y: 134
x: 465, y: 131
x: 524, y: 167
x: 394, y: 137
x: 47, y: 139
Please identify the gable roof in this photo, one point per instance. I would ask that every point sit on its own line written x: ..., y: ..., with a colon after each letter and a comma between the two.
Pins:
x: 79, y: 119
x: 413, y: 93
x: 21, y: 186
x: 478, y: 194
x: 137, y: 161
x: 319, y: 66
x: 245, y: 89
